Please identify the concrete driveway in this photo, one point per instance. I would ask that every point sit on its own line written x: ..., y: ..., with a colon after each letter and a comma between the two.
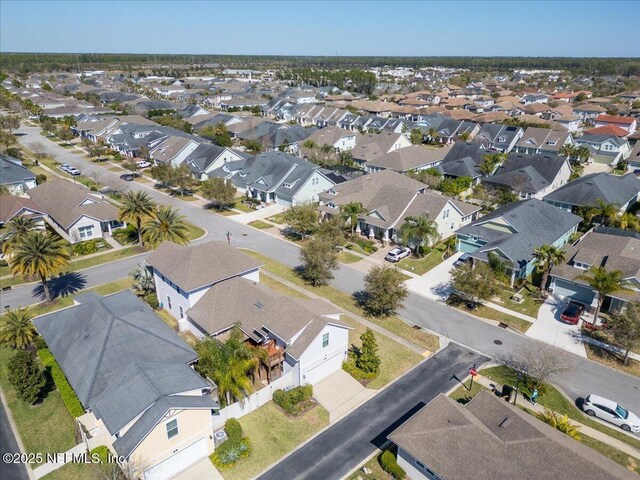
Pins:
x: 259, y: 214
x: 549, y: 329
x: 435, y: 283
x: 203, y: 470
x: 340, y: 393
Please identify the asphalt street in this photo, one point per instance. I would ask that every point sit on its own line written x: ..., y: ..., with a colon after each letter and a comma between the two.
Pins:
x: 584, y: 378
x: 8, y: 444
x: 340, y: 448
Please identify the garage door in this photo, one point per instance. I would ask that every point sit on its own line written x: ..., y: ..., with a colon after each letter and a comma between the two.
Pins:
x: 322, y: 371
x: 178, y: 462
x: 564, y: 289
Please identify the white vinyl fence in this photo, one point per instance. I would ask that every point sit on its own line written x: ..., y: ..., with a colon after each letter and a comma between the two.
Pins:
x: 253, y: 401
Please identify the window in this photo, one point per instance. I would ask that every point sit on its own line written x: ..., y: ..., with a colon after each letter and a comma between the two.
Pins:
x: 420, y: 464
x: 172, y: 428
x: 181, y: 312
x: 169, y: 302
x: 86, y: 232
x: 445, y: 214
x: 325, y: 340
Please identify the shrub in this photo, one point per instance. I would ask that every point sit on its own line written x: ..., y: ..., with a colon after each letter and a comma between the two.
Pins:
x: 69, y: 397
x: 26, y: 376
x: 229, y: 453
x: 366, y: 245
x: 41, y: 178
x: 295, y: 400
x: 390, y: 465
x: 85, y: 248
x: 350, y: 367
x: 368, y: 360
x: 233, y: 429
x: 103, y: 452
x: 152, y: 300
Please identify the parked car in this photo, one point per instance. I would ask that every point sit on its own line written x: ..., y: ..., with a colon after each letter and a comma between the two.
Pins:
x: 73, y: 171
x: 397, y: 254
x: 572, y: 313
x: 127, y: 177
x: 65, y: 167
x: 596, y: 406
x: 462, y: 260
x: 143, y: 164
x: 636, y: 172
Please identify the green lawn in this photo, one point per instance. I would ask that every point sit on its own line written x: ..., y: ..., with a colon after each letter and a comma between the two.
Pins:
x: 240, y: 205
x: 377, y: 473
x: 76, y: 471
x: 45, y: 428
x: 462, y: 393
x: 614, y: 454
x: 80, y: 264
x: 420, y: 266
x: 129, y: 235
x: 491, y: 314
x: 346, y: 257
x: 273, y: 434
x: 393, y: 323
x: 556, y: 401
x: 278, y: 218
x: 529, y: 306
x: 260, y: 225
x: 195, y: 232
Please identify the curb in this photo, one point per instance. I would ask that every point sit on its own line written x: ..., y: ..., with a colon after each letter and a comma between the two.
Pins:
x: 15, y: 432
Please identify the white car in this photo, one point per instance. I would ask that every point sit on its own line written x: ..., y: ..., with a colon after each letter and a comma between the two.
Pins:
x: 397, y: 254
x: 143, y: 164
x: 608, y: 410
x: 65, y: 167
x: 73, y: 171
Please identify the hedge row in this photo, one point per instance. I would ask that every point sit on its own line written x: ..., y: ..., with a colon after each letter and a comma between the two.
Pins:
x: 69, y: 397
x: 295, y: 400
x: 390, y: 465
x: 350, y: 367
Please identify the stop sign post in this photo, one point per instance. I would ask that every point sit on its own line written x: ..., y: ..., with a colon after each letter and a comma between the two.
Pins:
x: 473, y: 372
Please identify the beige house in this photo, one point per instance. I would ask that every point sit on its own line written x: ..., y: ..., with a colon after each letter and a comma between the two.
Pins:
x: 389, y: 197
x: 134, y: 376
x: 75, y: 212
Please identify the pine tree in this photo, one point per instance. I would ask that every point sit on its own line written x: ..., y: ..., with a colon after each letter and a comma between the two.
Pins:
x: 368, y: 359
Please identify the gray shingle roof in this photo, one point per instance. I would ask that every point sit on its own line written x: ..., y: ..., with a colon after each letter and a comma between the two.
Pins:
x: 527, y: 173
x: 410, y: 158
x: 489, y: 439
x: 12, y: 171
x: 533, y: 223
x: 194, y: 266
x: 613, y: 189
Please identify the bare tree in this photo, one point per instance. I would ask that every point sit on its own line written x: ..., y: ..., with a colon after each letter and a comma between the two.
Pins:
x: 538, y: 361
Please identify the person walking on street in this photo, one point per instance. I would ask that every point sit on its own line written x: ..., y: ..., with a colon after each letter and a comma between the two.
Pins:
x: 534, y: 396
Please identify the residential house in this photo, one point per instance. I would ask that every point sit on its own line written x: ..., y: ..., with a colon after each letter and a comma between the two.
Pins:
x: 208, y: 157
x: 464, y: 160
x: 12, y: 206
x: 628, y: 123
x: 531, y: 175
x: 274, y: 136
x: 532, y: 98
x: 488, y: 438
x: 588, y: 112
x: 620, y: 190
x: 499, y: 137
x: 174, y: 150
x: 337, y: 138
x: 412, y: 158
x: 74, y: 211
x: 212, y: 287
x: 514, y: 231
x: 634, y: 157
x: 389, y: 197
x: 15, y: 176
x: 192, y: 110
x: 543, y: 140
x: 134, y: 376
x: 609, y: 248
x: 451, y: 129
x: 276, y: 177
x: 570, y: 122
x: 374, y: 145
x: 605, y: 148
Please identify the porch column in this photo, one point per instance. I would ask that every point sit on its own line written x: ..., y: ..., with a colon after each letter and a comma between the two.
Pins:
x: 371, y: 233
x: 385, y: 237
x: 513, y: 277
x: 358, y: 229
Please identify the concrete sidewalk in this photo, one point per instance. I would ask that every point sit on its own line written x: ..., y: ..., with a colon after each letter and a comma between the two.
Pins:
x: 583, y: 429
x: 258, y: 214
x: 62, y: 459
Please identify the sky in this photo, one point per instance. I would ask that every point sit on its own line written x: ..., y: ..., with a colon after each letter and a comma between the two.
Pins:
x: 381, y: 28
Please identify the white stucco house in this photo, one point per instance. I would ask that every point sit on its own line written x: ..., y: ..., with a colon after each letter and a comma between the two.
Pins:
x: 212, y: 288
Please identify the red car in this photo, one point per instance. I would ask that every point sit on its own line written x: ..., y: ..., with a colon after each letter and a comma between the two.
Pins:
x: 572, y: 313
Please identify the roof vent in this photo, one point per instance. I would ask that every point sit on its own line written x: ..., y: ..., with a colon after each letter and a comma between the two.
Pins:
x: 259, y: 305
x: 504, y: 423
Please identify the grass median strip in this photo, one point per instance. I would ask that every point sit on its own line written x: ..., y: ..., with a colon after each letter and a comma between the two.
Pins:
x: 490, y: 314
x: 393, y: 323
x: 260, y: 225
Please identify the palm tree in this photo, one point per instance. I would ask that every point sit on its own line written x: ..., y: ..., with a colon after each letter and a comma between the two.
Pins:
x: 628, y: 221
x: 432, y: 133
x: 545, y: 257
x: 583, y: 153
x: 166, y: 224
x: 417, y: 231
x: 41, y: 254
x: 604, y: 211
x: 559, y: 422
x: 143, y: 279
x: 16, y: 228
x: 567, y: 150
x: 605, y: 283
x: 136, y: 207
x: 491, y: 161
x: 16, y: 329
x: 464, y: 136
x: 350, y: 212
